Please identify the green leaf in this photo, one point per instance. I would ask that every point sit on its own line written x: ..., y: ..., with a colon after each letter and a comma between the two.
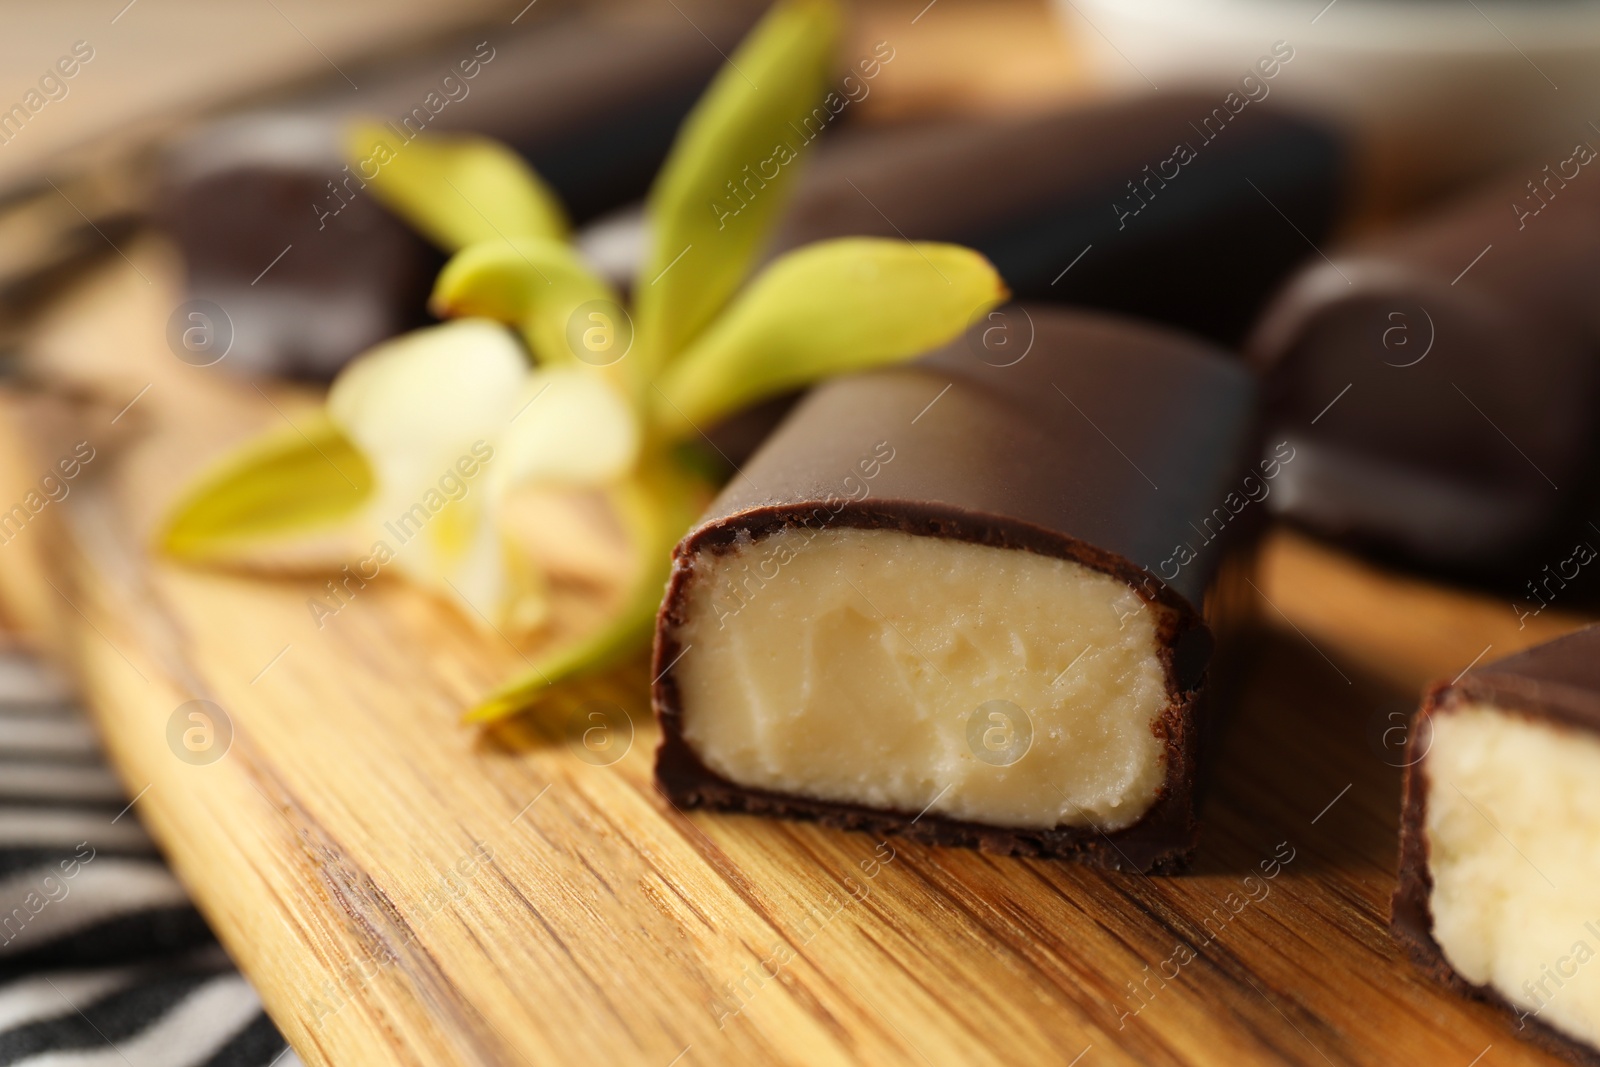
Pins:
x: 759, y: 113
x: 290, y: 481
x: 541, y: 286
x: 657, y: 505
x: 455, y: 190
x: 828, y: 308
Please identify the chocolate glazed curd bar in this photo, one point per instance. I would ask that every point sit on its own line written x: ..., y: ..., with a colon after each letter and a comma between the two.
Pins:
x: 1439, y: 380
x: 591, y: 99
x: 1165, y: 207
x: 966, y: 601
x: 1500, y: 840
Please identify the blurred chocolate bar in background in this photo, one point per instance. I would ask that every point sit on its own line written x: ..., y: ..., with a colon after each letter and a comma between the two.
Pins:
x: 1439, y: 381
x: 1170, y: 207
x: 276, y: 230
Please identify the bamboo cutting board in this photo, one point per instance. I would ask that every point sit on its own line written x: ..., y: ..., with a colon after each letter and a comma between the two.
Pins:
x: 403, y: 890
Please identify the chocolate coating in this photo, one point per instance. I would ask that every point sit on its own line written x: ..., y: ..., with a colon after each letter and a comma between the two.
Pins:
x: 1458, y: 354
x: 1558, y: 681
x: 592, y: 102
x: 1033, y: 192
x: 1107, y: 442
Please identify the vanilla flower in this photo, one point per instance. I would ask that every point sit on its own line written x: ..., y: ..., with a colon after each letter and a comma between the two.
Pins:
x: 544, y: 378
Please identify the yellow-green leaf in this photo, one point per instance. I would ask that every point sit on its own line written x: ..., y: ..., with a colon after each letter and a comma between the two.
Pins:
x: 565, y: 313
x: 657, y: 505
x: 290, y: 481
x: 455, y: 190
x: 828, y: 308
x: 731, y: 171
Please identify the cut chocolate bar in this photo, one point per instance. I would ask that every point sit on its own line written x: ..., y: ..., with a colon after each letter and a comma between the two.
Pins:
x: 963, y: 599
x: 1500, y: 840
x: 1439, y: 381
x: 1168, y: 207
x: 282, y: 234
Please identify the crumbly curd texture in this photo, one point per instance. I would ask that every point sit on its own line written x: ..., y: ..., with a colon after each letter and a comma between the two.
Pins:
x: 846, y: 665
x: 1513, y: 831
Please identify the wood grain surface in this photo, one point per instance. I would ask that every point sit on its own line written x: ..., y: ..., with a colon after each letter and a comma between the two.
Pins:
x: 404, y: 890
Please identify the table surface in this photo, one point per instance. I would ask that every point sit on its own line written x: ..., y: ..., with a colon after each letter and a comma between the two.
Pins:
x: 405, y: 890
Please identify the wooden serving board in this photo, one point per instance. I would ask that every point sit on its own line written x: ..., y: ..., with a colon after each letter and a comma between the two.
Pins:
x: 404, y: 890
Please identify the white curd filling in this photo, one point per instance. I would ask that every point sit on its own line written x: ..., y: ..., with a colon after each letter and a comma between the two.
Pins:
x: 1513, y: 831
x: 912, y: 673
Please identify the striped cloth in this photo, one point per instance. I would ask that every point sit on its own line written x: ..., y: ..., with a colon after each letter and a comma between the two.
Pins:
x: 103, y: 960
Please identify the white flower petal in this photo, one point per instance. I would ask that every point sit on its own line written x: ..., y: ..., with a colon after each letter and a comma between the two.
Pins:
x: 571, y: 428
x: 427, y: 411
x: 425, y: 393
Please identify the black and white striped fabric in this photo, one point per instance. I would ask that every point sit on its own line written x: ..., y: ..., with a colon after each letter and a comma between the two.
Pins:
x: 103, y: 960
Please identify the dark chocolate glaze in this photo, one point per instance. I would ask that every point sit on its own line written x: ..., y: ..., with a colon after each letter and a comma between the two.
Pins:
x: 1557, y: 681
x: 1468, y: 341
x: 592, y: 101
x: 1102, y: 441
x: 1034, y: 192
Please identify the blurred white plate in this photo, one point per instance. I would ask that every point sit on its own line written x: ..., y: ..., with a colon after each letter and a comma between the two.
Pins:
x: 1434, y: 90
